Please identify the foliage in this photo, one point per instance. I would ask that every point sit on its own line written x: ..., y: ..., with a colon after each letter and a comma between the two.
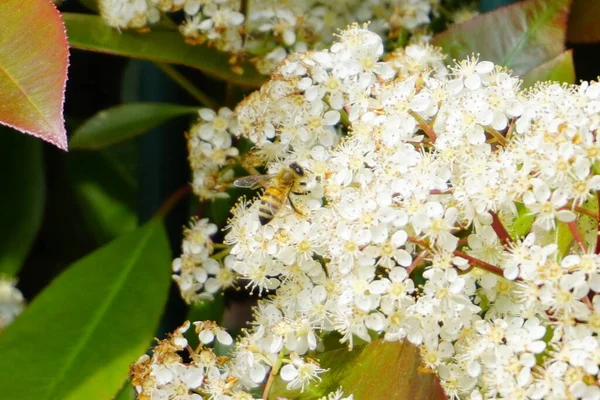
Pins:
x: 82, y: 331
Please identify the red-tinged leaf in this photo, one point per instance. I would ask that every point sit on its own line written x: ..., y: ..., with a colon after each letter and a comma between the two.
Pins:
x: 520, y: 36
x: 33, y: 69
x: 583, y: 22
x: 379, y: 370
x: 559, y: 69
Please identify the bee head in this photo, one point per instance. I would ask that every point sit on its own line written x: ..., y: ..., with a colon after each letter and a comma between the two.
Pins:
x: 297, y: 168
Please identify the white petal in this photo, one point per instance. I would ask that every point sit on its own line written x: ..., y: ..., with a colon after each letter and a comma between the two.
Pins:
x: 206, y: 336
x: 207, y: 114
x: 331, y: 117
x: 257, y: 373
x: 474, y: 369
x: 566, y: 216
x: 224, y: 338
x: 398, y: 274
x: 484, y: 67
x: 511, y: 273
x: 288, y: 372
x: 399, y: 238
x: 403, y: 258
x: 473, y: 82
x: 374, y: 322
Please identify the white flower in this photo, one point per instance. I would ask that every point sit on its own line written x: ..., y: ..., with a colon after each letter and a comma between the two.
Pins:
x: 300, y: 372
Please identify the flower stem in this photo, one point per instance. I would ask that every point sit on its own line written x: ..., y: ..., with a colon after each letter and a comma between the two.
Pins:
x: 577, y: 236
x: 581, y: 210
x: 424, y: 126
x: 171, y: 201
x: 480, y: 264
x: 497, y: 135
x: 274, y: 371
x: 500, y: 230
x: 222, y: 254
x: 511, y: 128
x: 185, y: 84
x: 417, y: 261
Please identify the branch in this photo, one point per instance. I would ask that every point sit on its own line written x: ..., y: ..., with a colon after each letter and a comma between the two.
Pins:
x: 500, y: 230
x: 577, y: 236
x: 480, y: 264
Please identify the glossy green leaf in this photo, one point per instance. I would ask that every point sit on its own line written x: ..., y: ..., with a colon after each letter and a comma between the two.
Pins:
x: 127, y: 392
x: 105, y: 193
x: 123, y: 122
x: 588, y: 225
x: 78, y: 337
x: 559, y: 69
x: 520, y: 36
x: 379, y: 370
x: 583, y: 22
x: 564, y: 239
x: 521, y: 225
x: 33, y: 69
x: 22, y: 174
x: 90, y: 32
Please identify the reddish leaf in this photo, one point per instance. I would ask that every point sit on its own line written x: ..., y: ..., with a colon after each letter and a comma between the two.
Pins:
x: 559, y: 69
x: 583, y: 22
x: 33, y: 69
x: 379, y: 370
x: 520, y: 36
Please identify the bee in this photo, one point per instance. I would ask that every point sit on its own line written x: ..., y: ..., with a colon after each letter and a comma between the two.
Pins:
x: 278, y: 188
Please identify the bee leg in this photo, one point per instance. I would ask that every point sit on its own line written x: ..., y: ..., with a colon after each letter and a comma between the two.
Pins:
x: 293, y: 206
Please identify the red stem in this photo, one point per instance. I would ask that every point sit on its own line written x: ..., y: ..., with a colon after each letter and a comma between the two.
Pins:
x: 172, y: 200
x: 417, y: 261
x: 500, y: 230
x: 577, y: 236
x: 480, y: 264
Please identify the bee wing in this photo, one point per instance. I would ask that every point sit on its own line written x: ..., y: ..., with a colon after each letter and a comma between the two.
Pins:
x: 253, y: 181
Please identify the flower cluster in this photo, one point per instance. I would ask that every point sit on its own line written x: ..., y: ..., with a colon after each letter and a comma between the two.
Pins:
x: 12, y: 302
x: 198, y: 274
x: 266, y: 32
x: 210, y: 149
x: 452, y: 177
x: 166, y: 375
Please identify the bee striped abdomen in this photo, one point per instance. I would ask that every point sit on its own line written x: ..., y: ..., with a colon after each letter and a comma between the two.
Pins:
x: 270, y: 203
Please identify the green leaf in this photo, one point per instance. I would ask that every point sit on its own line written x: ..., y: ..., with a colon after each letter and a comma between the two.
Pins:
x: 22, y: 173
x: 123, y: 122
x: 33, y: 69
x: 379, y: 370
x: 564, y: 239
x: 127, y: 392
x: 78, y: 337
x: 520, y: 36
x: 559, y: 69
x: 583, y: 22
x: 588, y: 225
x: 105, y: 193
x: 90, y: 32
x: 521, y: 225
